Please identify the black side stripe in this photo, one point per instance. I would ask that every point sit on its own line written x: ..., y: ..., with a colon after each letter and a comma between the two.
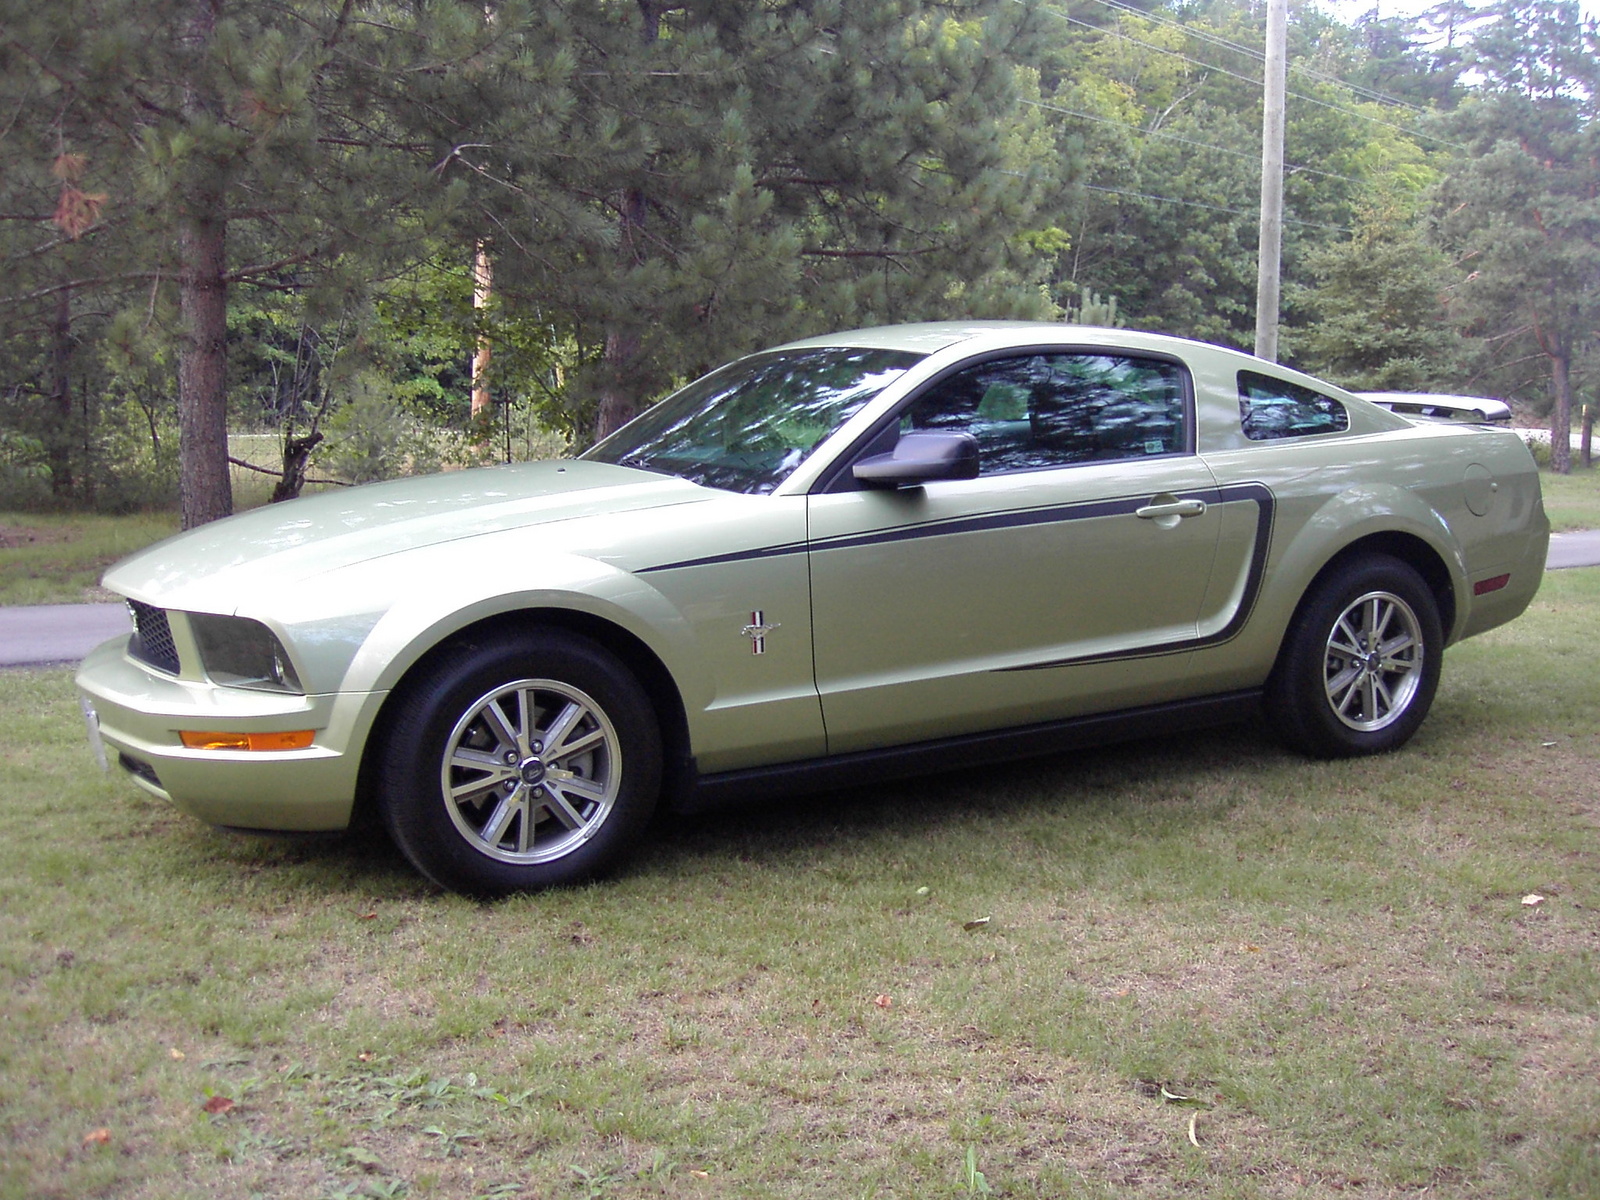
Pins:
x: 1015, y: 519
x: 1018, y: 519
x: 733, y: 557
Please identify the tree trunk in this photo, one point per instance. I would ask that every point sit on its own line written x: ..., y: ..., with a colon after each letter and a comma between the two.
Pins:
x: 618, y: 404
x: 619, y: 400
x: 1560, y: 416
x: 204, y: 490
x: 1586, y: 439
x: 58, y: 421
x: 482, y: 292
x: 296, y: 456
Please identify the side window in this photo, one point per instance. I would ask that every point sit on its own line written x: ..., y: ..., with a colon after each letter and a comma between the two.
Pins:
x: 1273, y: 408
x: 1052, y: 410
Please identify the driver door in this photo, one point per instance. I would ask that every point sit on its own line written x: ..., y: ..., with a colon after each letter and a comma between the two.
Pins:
x: 1067, y: 578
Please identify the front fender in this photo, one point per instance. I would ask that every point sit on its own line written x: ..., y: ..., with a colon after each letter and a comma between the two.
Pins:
x: 421, y: 619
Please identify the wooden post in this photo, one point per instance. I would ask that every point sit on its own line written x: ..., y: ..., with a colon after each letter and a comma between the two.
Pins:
x: 482, y: 289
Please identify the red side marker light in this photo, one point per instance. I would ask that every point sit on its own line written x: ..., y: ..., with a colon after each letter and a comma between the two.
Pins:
x: 1485, y: 586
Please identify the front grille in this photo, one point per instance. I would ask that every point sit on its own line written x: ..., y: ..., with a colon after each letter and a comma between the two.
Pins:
x: 152, y: 637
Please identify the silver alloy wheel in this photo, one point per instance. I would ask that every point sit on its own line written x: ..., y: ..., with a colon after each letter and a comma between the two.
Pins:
x: 531, y: 771
x: 1374, y: 660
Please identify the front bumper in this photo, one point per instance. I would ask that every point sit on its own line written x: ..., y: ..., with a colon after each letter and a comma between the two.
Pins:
x: 140, y: 713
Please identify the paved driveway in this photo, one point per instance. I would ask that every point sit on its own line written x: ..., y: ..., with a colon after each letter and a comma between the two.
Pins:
x: 1578, y: 549
x: 49, y: 634
x: 61, y: 634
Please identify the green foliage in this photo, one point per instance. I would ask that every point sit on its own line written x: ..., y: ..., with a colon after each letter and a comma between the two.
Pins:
x: 1162, y: 131
x: 1405, y: 57
x: 661, y: 187
x: 24, y: 471
x: 973, y: 1181
x: 758, y: 173
x: 1522, y: 210
x: 113, y: 450
x: 371, y: 436
x: 1377, y: 313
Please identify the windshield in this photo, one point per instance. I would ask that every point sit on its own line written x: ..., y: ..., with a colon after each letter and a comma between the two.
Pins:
x: 745, y: 427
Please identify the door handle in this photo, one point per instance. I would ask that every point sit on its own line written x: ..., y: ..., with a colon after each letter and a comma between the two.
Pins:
x: 1172, y: 508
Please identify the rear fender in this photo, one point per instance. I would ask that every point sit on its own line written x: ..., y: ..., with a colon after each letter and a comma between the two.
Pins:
x: 1386, y: 518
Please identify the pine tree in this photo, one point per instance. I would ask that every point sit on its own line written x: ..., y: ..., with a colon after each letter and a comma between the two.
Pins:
x: 728, y: 174
x: 1523, y: 207
x: 234, y: 143
x: 1378, y: 310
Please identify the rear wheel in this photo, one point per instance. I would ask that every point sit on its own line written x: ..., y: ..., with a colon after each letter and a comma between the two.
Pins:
x: 1358, y: 670
x: 523, y: 762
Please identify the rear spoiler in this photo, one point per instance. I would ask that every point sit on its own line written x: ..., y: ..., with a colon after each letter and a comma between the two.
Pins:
x: 1425, y: 406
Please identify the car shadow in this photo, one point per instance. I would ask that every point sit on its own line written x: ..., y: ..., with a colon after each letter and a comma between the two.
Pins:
x: 1124, y: 776
x: 361, y: 861
x: 1121, y: 778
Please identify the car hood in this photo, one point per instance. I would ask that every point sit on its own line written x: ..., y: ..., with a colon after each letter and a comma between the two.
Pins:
x: 282, y: 544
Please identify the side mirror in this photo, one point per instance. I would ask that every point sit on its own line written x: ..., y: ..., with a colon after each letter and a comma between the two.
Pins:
x: 921, y: 457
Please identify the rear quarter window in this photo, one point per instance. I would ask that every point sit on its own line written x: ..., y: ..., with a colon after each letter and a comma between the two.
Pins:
x: 1275, y: 408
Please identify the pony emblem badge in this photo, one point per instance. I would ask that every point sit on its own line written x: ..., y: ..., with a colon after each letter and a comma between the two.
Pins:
x: 757, y: 631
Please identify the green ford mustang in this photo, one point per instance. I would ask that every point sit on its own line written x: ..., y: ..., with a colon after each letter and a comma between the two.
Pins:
x: 874, y: 553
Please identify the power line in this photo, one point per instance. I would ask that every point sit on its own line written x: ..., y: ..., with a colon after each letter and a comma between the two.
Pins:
x: 1246, y: 79
x: 1253, y: 82
x: 1361, y: 116
x: 1173, y: 137
x: 1205, y: 35
x: 1221, y: 208
x: 1152, y: 46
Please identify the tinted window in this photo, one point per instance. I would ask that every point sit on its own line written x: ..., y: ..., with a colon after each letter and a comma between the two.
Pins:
x: 745, y: 427
x: 1273, y: 408
x: 1052, y: 410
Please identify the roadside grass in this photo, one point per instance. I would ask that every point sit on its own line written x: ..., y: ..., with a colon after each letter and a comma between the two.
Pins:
x: 58, y: 559
x: 52, y: 559
x: 1572, y: 501
x: 48, y: 559
x: 1325, y: 972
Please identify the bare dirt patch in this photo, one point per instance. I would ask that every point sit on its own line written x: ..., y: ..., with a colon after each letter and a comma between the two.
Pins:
x: 14, y: 537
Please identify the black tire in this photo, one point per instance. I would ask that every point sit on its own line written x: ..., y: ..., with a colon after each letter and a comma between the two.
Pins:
x: 516, y: 762
x: 1333, y: 693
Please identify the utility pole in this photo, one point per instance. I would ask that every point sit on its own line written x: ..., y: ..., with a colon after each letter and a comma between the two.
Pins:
x: 1268, y: 257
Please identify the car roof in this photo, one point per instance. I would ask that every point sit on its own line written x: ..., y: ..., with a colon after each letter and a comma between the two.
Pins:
x: 929, y: 337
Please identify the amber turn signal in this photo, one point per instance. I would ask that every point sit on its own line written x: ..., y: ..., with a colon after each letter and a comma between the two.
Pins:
x: 299, y: 739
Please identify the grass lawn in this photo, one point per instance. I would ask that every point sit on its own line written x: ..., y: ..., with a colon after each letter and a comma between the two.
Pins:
x: 1206, y: 967
x: 46, y: 559
x: 49, y: 559
x: 1572, y: 501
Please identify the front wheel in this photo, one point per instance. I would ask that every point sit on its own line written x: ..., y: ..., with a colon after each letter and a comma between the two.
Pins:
x: 1359, y: 667
x: 518, y: 762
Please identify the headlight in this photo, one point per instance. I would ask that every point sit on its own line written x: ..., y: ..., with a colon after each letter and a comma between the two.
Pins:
x: 238, y: 652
